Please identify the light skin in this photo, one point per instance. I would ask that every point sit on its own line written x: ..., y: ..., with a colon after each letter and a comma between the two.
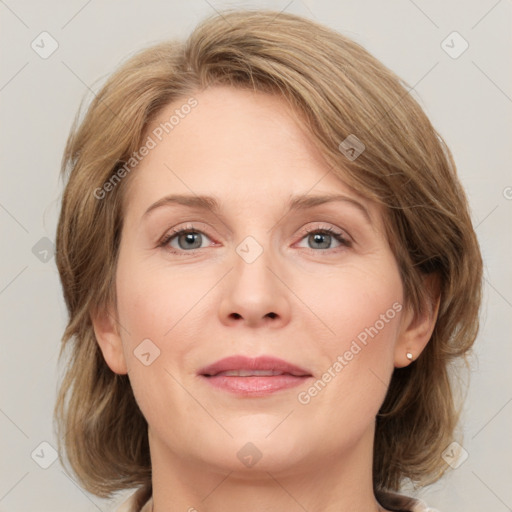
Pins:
x: 304, y: 299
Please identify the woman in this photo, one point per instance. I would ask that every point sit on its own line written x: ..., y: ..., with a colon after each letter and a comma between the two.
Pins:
x: 263, y: 247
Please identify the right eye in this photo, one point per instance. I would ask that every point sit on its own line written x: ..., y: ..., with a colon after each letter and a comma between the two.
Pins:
x: 184, y: 240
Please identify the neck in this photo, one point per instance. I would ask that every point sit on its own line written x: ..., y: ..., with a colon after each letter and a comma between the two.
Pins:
x: 332, y: 481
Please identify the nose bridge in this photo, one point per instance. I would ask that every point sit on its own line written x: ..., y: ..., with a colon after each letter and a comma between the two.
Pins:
x: 252, y: 262
x: 251, y: 272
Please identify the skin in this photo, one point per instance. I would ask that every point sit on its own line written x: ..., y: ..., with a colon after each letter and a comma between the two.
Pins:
x: 248, y: 150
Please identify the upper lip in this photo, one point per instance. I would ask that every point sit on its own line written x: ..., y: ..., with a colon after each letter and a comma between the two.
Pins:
x: 239, y: 362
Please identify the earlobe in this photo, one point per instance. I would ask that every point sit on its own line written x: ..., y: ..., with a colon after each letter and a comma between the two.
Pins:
x: 417, y: 327
x: 109, y: 340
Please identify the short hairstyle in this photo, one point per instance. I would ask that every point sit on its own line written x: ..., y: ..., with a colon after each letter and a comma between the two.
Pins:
x: 338, y: 90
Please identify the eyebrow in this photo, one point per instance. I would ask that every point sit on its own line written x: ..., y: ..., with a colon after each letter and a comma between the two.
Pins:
x: 295, y: 203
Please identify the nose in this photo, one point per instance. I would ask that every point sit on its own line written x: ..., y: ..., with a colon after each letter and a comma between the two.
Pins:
x: 255, y: 294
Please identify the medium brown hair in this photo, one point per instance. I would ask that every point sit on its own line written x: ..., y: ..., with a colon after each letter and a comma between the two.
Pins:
x: 339, y: 90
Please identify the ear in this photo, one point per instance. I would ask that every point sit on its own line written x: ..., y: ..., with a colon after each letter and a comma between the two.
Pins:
x: 417, y: 327
x: 107, y: 335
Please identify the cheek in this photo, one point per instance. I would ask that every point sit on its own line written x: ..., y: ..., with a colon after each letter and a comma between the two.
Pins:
x: 361, y: 306
x: 360, y: 317
x: 152, y: 308
x: 153, y: 301
x: 358, y: 302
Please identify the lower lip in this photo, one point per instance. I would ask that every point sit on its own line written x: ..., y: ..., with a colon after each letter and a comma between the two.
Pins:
x: 255, y: 386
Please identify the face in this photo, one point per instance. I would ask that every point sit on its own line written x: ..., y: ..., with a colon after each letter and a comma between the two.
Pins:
x: 264, y: 274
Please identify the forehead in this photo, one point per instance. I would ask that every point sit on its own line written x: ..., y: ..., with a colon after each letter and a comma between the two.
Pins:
x: 232, y: 124
x: 239, y: 145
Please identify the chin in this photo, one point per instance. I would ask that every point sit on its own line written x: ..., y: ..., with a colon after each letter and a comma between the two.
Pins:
x: 254, y: 451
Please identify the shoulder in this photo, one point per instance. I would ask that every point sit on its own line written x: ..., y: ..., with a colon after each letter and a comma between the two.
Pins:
x: 401, y: 503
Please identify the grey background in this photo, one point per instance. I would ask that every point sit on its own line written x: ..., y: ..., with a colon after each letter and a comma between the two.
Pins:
x: 467, y: 98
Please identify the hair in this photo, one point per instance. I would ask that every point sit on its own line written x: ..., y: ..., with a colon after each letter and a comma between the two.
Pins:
x: 338, y: 89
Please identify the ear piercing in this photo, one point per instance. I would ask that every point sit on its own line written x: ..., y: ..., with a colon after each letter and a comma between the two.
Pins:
x: 409, y: 356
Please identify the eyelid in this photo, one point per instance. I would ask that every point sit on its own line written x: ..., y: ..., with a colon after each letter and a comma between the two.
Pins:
x: 331, y: 230
x: 180, y: 229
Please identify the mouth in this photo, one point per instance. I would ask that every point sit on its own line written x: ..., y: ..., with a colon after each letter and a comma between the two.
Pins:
x: 253, y: 376
x: 252, y: 373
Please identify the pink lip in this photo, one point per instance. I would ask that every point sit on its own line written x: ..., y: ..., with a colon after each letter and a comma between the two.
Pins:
x: 292, y: 375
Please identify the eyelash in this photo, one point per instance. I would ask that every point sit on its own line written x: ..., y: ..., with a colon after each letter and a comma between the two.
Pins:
x: 338, y: 236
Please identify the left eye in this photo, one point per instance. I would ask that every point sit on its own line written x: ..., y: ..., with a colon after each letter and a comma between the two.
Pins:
x: 323, y: 238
